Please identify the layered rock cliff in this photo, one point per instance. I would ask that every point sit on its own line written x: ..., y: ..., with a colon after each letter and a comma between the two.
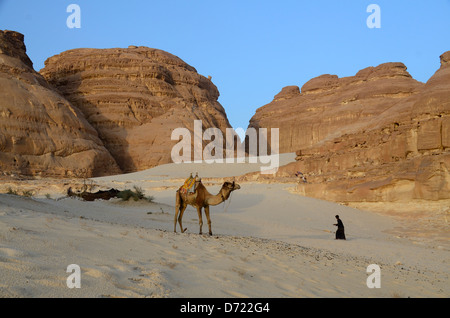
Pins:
x: 379, y: 136
x: 135, y: 98
x: 328, y: 106
x: 41, y: 133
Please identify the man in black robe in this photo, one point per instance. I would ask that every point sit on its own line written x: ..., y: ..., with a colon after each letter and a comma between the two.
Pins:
x: 340, y: 234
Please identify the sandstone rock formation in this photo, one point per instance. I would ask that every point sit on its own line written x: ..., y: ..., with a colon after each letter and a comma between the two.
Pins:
x: 379, y: 136
x: 135, y: 98
x: 41, y: 133
x: 329, y: 106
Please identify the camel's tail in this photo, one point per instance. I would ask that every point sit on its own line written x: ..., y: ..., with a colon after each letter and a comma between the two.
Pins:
x: 178, y: 199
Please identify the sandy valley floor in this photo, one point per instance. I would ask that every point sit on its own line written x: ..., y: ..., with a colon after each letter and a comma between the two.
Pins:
x: 267, y: 242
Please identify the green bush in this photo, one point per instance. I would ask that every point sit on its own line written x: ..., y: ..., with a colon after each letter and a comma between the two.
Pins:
x: 27, y: 193
x: 136, y: 195
x: 139, y: 193
x: 11, y: 191
x: 125, y: 195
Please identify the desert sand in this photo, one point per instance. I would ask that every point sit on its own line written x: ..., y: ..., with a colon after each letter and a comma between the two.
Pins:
x: 268, y: 241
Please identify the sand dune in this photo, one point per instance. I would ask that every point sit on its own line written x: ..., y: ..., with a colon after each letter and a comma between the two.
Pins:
x: 267, y: 242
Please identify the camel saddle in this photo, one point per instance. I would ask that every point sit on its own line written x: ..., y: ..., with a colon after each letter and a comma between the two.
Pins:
x: 190, y: 185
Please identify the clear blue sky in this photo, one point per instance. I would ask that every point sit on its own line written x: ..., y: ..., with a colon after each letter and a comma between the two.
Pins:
x: 251, y: 48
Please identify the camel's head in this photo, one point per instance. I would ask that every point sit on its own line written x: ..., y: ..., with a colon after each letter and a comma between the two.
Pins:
x: 231, y: 186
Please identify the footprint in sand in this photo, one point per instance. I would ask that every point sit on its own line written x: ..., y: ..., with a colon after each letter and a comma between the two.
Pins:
x: 92, y: 272
x: 130, y: 279
x: 10, y: 252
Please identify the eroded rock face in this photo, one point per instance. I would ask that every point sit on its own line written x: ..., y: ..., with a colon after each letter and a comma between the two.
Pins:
x: 329, y: 106
x: 377, y: 136
x: 135, y: 98
x: 41, y: 133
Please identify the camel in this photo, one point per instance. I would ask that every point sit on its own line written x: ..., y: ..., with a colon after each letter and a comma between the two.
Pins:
x: 201, y: 198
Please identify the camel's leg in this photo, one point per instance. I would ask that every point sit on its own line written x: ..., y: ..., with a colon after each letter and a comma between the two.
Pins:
x: 177, y: 209
x: 200, y: 221
x: 183, y: 208
x: 208, y: 218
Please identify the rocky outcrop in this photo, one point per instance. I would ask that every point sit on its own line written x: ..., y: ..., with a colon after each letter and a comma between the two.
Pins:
x: 135, y: 98
x: 41, y: 133
x: 379, y: 136
x: 328, y: 106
